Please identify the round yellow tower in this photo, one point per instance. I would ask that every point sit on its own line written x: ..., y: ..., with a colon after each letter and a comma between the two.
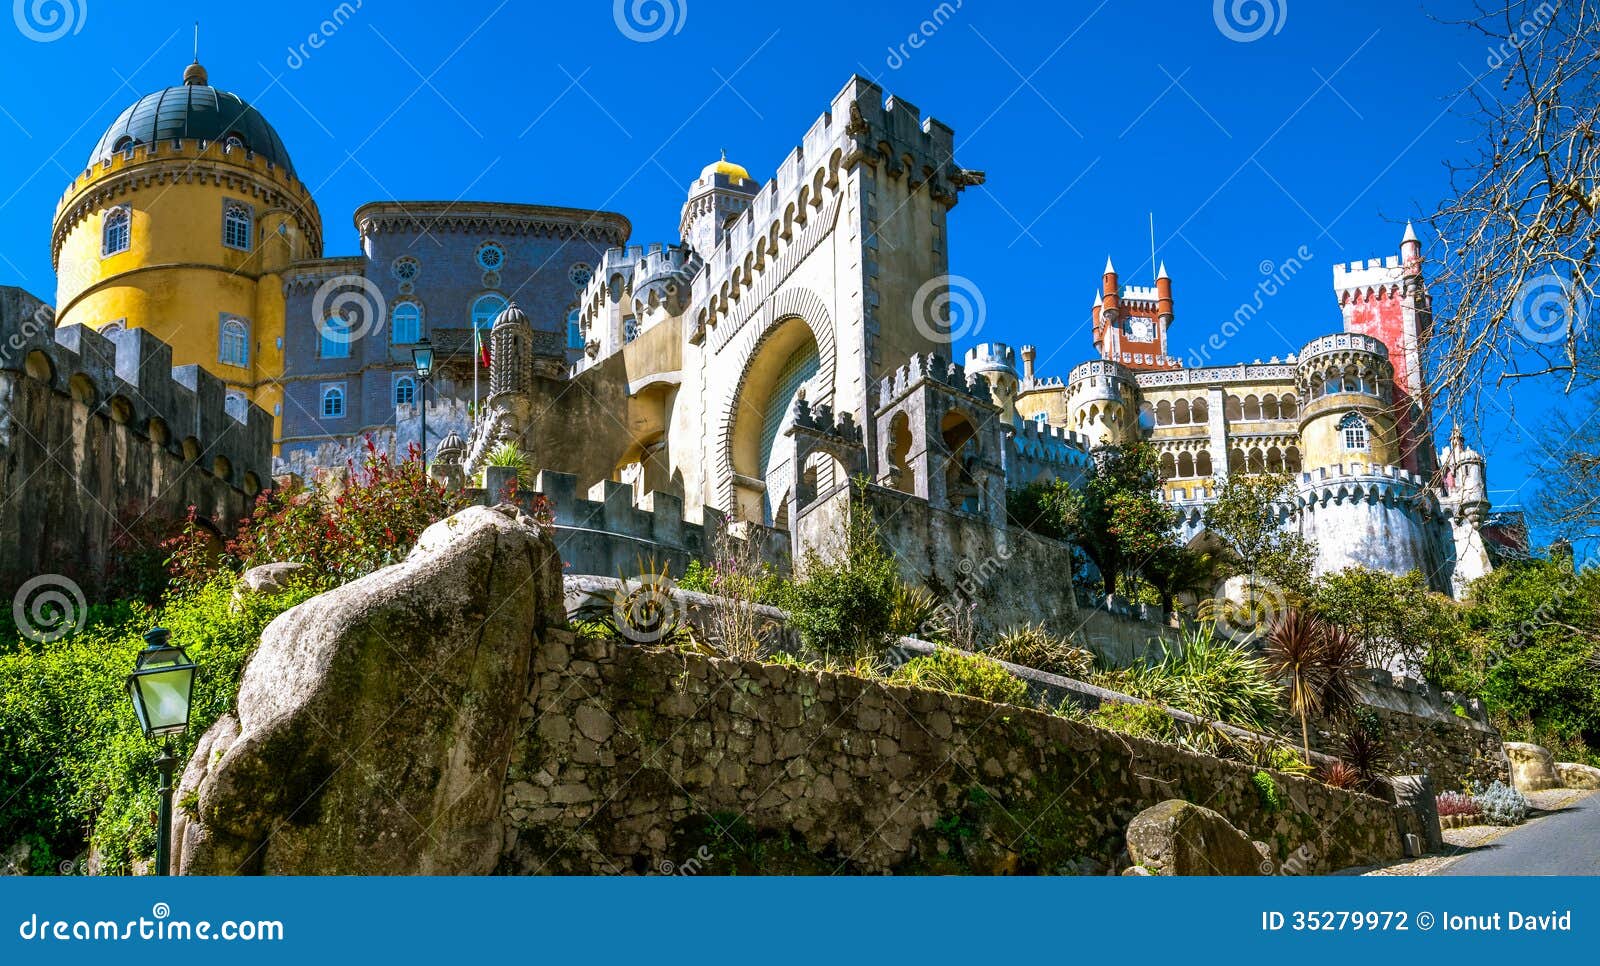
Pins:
x: 1346, y: 387
x: 183, y: 222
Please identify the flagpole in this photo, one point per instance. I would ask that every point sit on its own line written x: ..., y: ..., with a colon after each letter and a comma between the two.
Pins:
x: 477, y: 352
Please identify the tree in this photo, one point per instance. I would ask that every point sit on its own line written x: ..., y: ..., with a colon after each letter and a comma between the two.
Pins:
x: 1568, y: 500
x: 1319, y: 664
x: 1247, y: 518
x: 1119, y: 520
x: 1046, y: 507
x: 1178, y: 570
x: 1515, y: 272
x: 1531, y: 650
x: 1397, y: 620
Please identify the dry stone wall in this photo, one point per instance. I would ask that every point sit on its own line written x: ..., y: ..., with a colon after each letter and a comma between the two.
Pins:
x: 646, y: 761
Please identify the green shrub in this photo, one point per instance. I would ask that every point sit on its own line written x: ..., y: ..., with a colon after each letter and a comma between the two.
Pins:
x: 1031, y: 645
x: 372, y: 521
x: 961, y: 673
x: 845, y: 604
x: 71, y: 755
x: 1135, y: 720
x: 1267, y: 789
x: 1207, y: 677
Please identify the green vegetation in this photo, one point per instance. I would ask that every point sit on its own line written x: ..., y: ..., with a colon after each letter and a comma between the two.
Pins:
x: 961, y: 673
x: 509, y: 454
x: 1245, y: 518
x: 1531, y: 650
x: 1206, y: 676
x: 1267, y: 789
x: 1395, y: 620
x: 1032, y: 645
x: 844, y: 605
x: 71, y: 755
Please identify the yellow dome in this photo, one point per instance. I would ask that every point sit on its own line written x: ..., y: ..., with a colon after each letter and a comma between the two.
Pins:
x: 725, y: 167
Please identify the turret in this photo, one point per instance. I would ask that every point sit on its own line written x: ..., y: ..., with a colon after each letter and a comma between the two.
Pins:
x: 1102, y: 402
x: 1163, y: 300
x: 1029, y: 353
x: 1346, y: 386
x: 511, y: 358
x: 716, y: 199
x: 993, y: 363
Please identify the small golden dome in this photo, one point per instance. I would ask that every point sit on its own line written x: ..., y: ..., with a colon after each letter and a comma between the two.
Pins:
x: 725, y: 167
x: 195, y: 76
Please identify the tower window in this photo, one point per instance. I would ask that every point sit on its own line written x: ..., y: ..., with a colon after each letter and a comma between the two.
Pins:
x: 406, y: 268
x: 486, y: 309
x: 405, y: 391
x: 491, y: 257
x: 234, y: 348
x: 114, y: 233
x: 335, y: 338
x: 1354, y: 431
x: 333, y: 402
x: 237, y: 223
x: 406, y: 325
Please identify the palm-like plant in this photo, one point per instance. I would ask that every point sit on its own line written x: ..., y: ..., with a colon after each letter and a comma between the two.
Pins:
x: 1318, y: 663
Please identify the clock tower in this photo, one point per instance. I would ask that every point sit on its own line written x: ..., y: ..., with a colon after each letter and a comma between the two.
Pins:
x: 1131, y: 323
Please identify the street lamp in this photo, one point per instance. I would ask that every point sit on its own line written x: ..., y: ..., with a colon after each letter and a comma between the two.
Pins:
x: 160, y: 687
x: 422, y: 358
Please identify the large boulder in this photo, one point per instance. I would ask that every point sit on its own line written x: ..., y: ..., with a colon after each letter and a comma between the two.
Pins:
x: 1573, y: 775
x: 1532, y: 768
x: 1181, y: 838
x: 375, y: 722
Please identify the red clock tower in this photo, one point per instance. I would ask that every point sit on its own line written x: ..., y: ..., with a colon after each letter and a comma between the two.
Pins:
x: 1131, y: 323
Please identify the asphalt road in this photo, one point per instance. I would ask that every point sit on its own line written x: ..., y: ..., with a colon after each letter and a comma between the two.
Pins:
x: 1564, y: 843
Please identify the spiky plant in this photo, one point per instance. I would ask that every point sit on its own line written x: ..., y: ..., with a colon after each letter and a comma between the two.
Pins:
x: 1296, y: 648
x: 1338, y: 774
x: 1365, y: 752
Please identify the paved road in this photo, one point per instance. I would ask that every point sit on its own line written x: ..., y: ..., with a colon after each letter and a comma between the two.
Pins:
x: 1565, y: 843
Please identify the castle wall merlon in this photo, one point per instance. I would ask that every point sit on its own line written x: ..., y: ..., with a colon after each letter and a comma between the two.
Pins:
x: 129, y: 375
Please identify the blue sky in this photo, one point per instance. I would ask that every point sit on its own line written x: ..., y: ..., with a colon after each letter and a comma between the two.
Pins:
x: 1324, y: 133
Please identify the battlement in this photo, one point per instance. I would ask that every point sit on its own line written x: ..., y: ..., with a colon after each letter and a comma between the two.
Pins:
x: 1358, y: 482
x: 860, y: 124
x: 1043, y: 441
x: 170, y: 161
x: 990, y: 356
x: 1271, y: 371
x: 1342, y: 342
x: 1378, y: 276
x: 932, y: 368
x: 1144, y: 296
x: 188, y: 150
x: 1098, y: 369
x: 609, y: 512
x: 128, y: 375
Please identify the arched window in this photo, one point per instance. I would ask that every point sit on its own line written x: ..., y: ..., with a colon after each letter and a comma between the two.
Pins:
x: 1169, y: 468
x: 1199, y: 411
x: 1180, y: 412
x: 406, y: 324
x: 1287, y: 407
x: 405, y: 391
x: 1231, y: 408
x: 1163, y: 413
x: 486, y: 309
x: 1202, y: 464
x: 1185, y: 464
x: 335, y: 337
x: 332, y: 402
x: 236, y: 226
x: 1353, y: 431
x: 114, y: 234
x: 574, y: 329
x: 234, y: 349
x: 1252, y: 408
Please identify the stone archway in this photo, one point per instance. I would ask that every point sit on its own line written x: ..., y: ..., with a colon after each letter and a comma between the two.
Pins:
x: 760, y: 355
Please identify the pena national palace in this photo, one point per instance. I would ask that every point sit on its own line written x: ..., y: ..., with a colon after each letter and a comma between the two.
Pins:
x: 603, y: 416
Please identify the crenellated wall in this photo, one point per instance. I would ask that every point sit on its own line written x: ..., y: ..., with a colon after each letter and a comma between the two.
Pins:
x: 104, y: 446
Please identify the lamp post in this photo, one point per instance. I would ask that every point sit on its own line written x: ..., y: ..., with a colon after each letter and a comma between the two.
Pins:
x: 422, y: 358
x: 160, y: 687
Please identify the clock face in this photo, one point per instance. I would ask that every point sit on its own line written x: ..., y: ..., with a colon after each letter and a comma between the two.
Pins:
x: 1142, y: 330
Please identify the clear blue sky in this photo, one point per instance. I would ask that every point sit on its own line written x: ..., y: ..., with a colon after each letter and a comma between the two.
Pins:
x: 1325, y: 132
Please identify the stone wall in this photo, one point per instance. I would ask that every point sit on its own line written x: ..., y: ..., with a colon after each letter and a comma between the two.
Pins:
x: 1424, y: 735
x: 104, y: 446
x: 1012, y: 575
x: 645, y: 761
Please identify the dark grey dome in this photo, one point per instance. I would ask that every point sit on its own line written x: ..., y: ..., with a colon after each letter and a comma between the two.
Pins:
x: 192, y: 111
